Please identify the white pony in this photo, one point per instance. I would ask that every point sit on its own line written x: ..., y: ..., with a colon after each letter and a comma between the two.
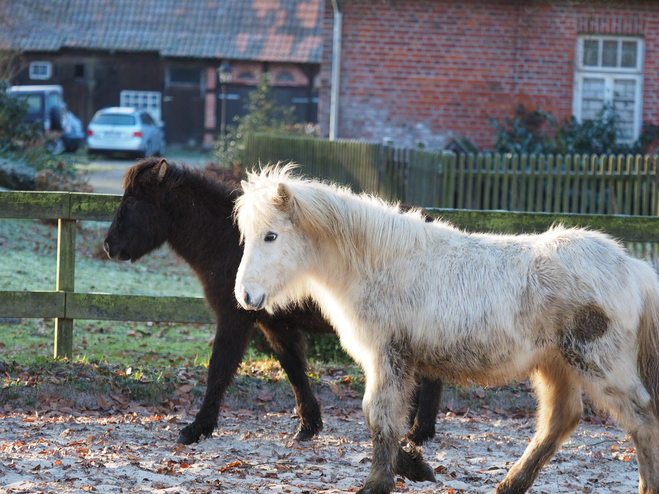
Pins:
x: 568, y: 307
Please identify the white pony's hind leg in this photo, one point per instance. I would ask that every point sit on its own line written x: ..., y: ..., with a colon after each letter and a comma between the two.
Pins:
x: 389, y: 386
x: 623, y: 395
x: 560, y: 408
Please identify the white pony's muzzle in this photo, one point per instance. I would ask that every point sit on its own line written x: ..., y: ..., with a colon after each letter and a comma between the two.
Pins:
x: 250, y: 299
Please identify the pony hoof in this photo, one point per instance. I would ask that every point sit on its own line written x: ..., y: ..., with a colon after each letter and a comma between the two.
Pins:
x: 305, y: 434
x: 421, y: 472
x: 190, y: 434
x: 185, y: 439
x: 426, y: 473
x: 375, y: 489
x: 410, y: 464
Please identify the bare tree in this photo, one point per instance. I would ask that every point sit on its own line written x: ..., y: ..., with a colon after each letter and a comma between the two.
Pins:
x: 11, y: 63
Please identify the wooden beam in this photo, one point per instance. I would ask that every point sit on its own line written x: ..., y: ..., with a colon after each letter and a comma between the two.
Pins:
x: 625, y: 228
x: 35, y: 304
x: 104, y: 306
x: 137, y: 308
x: 94, y: 207
x: 34, y: 205
x: 55, y: 205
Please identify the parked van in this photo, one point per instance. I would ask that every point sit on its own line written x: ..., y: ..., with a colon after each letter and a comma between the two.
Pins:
x: 46, y: 104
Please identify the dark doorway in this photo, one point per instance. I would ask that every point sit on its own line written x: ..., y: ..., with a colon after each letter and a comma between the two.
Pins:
x: 183, y: 114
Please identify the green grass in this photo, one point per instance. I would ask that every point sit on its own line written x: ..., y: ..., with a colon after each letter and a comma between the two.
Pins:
x: 132, y: 344
x: 29, y: 256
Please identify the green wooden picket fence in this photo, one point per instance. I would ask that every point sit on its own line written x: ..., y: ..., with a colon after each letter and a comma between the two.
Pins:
x: 584, y: 184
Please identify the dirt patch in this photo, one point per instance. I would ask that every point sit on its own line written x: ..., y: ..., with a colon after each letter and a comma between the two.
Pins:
x: 111, y: 438
x: 134, y: 450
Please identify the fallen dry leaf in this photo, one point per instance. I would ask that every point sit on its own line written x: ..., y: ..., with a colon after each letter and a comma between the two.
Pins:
x: 119, y: 398
x: 186, y: 388
x: 102, y: 403
x: 335, y: 389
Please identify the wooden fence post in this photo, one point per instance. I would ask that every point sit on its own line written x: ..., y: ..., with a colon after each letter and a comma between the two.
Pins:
x: 66, y: 253
x: 382, y: 167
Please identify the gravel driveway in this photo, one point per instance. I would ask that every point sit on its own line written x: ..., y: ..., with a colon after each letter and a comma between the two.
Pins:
x: 106, y: 174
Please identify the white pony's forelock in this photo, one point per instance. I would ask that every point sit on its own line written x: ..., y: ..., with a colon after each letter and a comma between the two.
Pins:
x: 256, y: 205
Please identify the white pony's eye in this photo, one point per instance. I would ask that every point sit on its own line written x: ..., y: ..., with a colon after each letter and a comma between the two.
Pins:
x: 270, y: 237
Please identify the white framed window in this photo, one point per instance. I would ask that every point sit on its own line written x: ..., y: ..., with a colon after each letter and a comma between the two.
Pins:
x: 41, y: 70
x: 609, y: 71
x: 151, y: 101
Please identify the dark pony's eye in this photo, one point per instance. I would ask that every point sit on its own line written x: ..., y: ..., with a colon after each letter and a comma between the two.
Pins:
x: 270, y: 237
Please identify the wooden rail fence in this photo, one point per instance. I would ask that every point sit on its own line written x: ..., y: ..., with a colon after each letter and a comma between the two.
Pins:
x: 64, y: 304
x: 581, y: 184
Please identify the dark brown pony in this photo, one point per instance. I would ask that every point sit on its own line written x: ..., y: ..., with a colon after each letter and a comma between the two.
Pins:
x: 191, y: 210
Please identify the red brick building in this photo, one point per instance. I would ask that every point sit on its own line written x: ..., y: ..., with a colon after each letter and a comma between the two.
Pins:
x: 423, y: 71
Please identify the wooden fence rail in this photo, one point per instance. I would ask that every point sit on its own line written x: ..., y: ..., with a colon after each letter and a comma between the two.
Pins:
x: 581, y: 184
x: 64, y: 304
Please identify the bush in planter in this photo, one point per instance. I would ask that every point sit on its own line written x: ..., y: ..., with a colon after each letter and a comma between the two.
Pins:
x: 535, y: 131
x: 525, y: 133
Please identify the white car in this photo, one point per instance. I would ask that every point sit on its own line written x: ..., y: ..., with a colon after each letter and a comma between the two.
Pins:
x: 123, y: 129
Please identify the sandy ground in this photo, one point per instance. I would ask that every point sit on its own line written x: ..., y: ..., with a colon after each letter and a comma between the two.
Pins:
x: 134, y: 450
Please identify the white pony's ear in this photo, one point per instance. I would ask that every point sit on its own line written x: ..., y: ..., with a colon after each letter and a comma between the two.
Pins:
x: 160, y: 169
x: 284, y: 197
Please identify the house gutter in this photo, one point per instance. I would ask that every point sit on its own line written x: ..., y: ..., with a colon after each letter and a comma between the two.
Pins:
x: 336, y: 71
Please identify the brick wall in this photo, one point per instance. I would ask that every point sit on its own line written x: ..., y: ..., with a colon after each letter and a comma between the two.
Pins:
x: 427, y: 70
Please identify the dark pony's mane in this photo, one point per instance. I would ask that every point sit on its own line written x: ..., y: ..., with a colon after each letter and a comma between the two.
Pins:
x: 222, y: 180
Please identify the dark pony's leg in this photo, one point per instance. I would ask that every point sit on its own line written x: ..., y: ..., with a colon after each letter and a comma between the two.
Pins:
x: 289, y: 345
x: 425, y: 405
x: 414, y: 404
x: 231, y: 339
x: 560, y: 408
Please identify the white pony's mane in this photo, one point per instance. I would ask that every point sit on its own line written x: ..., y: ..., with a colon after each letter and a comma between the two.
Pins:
x: 352, y: 221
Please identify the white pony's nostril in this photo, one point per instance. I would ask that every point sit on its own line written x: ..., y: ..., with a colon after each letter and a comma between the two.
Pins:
x: 250, y: 302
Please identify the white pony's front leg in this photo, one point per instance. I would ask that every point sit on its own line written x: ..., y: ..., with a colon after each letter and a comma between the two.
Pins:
x: 389, y: 387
